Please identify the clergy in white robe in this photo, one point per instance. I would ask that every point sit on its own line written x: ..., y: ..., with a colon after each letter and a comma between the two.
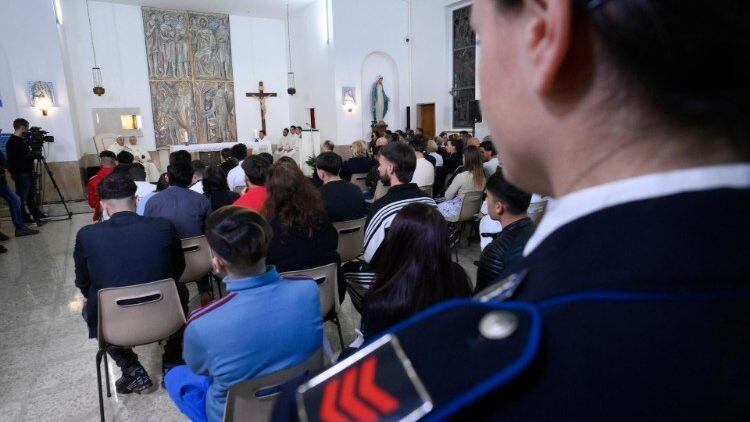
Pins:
x: 141, y: 156
x: 118, y: 146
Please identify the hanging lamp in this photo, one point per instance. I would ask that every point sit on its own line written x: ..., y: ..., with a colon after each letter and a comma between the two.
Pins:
x: 291, y: 90
x: 95, y: 71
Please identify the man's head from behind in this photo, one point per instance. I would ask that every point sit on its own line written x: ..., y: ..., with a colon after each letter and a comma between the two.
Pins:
x: 117, y: 193
x: 239, y: 151
x: 107, y: 159
x: 20, y: 126
x: 180, y: 156
x: 226, y: 153
x: 239, y: 239
x: 125, y: 157
x: 198, y: 169
x: 328, y: 165
x: 505, y: 200
x: 180, y: 174
x: 256, y: 170
x: 397, y: 163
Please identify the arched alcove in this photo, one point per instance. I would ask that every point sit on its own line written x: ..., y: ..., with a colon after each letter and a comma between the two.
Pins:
x: 377, y: 64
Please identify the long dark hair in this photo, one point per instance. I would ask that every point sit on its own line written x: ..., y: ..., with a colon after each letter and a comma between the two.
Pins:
x: 415, y: 270
x: 214, y: 180
x: 473, y: 164
x: 292, y: 200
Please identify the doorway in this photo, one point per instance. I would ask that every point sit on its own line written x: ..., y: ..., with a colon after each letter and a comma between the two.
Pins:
x: 426, y: 119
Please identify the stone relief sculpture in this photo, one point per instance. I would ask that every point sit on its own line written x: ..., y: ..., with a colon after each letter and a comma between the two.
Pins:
x: 190, y: 68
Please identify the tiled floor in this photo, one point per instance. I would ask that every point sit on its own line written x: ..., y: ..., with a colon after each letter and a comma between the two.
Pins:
x: 48, y: 371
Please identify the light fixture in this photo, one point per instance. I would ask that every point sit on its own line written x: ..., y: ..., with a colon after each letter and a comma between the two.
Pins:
x: 130, y: 121
x: 291, y: 90
x: 96, y: 71
x: 43, y: 104
x: 347, y: 98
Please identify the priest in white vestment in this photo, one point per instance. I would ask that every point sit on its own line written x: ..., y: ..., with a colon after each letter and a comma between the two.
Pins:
x: 141, y: 156
x: 118, y: 146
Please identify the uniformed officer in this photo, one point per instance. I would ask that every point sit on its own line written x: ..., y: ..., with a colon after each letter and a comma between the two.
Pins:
x: 632, y: 300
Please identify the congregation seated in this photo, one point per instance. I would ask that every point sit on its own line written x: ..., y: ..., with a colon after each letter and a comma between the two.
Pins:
x: 407, y: 282
x: 397, y: 162
x: 343, y: 200
x: 267, y: 156
x: 327, y: 146
x: 424, y: 173
x: 125, y: 164
x: 359, y: 163
x: 265, y: 323
x: 432, y: 151
x: 215, y: 188
x: 471, y: 179
x: 506, y: 204
x: 107, y: 163
x: 104, y: 256
x: 228, y: 162
x: 199, y: 168
x: 489, y: 158
x: 255, y: 169
x: 236, y: 176
x: 302, y: 235
x: 452, y: 161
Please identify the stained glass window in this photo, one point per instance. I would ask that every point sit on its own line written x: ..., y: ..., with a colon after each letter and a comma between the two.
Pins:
x: 464, y: 67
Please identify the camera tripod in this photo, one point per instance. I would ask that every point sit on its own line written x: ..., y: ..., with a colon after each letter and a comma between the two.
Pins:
x: 38, y: 185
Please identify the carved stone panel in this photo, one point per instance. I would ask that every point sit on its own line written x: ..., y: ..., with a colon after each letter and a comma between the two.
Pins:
x: 174, y: 113
x: 215, y: 104
x: 212, y: 55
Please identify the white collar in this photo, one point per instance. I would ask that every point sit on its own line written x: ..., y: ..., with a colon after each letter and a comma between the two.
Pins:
x: 587, y: 201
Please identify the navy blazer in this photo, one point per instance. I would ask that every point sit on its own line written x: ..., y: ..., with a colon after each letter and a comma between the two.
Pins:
x: 125, y: 250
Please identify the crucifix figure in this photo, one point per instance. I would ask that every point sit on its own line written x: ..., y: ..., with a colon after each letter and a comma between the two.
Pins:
x: 261, y: 96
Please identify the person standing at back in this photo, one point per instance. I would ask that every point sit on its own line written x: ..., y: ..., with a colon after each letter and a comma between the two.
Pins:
x: 21, y: 168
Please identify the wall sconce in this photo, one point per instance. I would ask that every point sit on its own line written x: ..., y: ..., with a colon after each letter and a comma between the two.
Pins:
x: 131, y: 122
x: 348, y: 99
x: 43, y: 104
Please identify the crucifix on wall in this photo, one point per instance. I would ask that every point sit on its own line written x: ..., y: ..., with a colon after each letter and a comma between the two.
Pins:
x: 261, y: 96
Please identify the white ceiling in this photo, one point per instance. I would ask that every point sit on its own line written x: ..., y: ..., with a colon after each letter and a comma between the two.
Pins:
x: 259, y: 8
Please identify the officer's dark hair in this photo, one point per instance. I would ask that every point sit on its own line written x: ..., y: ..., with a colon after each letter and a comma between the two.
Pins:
x: 256, y: 169
x: 688, y: 60
x: 239, y: 151
x: 329, y: 162
x: 407, y: 282
x: 515, y: 199
x: 458, y: 144
x: 125, y: 157
x: 226, y: 153
x: 180, y: 174
x: 488, y: 146
x: 180, y: 156
x: 268, y: 157
x: 239, y: 236
x: 117, y: 186
x: 19, y: 123
x: 403, y: 158
x: 199, y: 167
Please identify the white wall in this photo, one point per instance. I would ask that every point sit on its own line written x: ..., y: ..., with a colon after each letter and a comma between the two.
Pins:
x: 258, y: 53
x: 36, y: 55
x: 312, y: 61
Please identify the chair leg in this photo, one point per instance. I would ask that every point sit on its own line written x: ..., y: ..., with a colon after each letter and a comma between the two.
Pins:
x: 106, y: 374
x: 338, y: 326
x: 99, y: 382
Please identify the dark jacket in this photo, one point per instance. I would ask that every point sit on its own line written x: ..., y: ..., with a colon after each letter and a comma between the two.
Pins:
x: 220, y: 198
x: 125, y: 250
x: 20, y: 157
x: 452, y: 162
x: 355, y: 165
x: 343, y: 201
x: 295, y: 250
x: 502, y: 253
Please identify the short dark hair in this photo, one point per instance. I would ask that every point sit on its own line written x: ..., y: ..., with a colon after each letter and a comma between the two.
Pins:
x: 125, y: 157
x: 162, y: 183
x: 199, y: 167
x: 515, y: 199
x: 329, y: 162
x: 267, y: 156
x: 108, y: 154
x: 256, y: 169
x: 329, y: 144
x: 117, y: 186
x: 19, y: 122
x: 403, y: 158
x: 137, y: 172
x: 226, y: 153
x: 238, y: 236
x: 488, y: 146
x: 180, y: 156
x: 239, y: 151
x: 180, y: 174
x: 419, y: 143
x: 457, y: 143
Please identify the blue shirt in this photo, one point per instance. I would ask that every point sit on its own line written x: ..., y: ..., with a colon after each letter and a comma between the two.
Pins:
x: 264, y: 324
x: 141, y: 207
x: 186, y: 209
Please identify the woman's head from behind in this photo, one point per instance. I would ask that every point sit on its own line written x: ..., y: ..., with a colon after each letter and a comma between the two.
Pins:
x: 214, y: 180
x: 292, y: 200
x: 359, y: 149
x: 239, y: 239
x: 473, y: 164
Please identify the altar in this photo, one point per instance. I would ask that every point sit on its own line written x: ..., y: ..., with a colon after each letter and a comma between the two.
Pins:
x: 255, y: 145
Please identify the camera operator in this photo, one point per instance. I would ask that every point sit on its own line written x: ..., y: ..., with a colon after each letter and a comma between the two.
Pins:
x: 14, y: 206
x: 21, y: 166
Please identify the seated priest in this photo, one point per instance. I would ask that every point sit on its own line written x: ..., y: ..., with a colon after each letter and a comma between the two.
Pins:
x: 118, y: 146
x: 104, y: 256
x: 142, y: 157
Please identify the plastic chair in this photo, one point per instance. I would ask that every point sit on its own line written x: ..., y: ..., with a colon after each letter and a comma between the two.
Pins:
x: 351, y: 238
x: 427, y: 190
x: 197, y: 260
x: 253, y: 400
x: 536, y: 211
x: 359, y: 179
x: 133, y: 316
x: 470, y: 206
x: 327, y: 279
x: 380, y: 191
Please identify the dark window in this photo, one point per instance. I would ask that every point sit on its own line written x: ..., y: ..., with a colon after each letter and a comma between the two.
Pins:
x: 464, y: 66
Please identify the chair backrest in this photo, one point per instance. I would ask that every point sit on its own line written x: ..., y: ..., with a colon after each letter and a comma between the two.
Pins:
x: 351, y: 238
x: 360, y: 179
x: 102, y: 141
x: 327, y: 279
x: 470, y: 205
x: 427, y: 190
x: 253, y: 400
x: 139, y: 314
x: 536, y: 211
x: 197, y: 259
x: 380, y: 190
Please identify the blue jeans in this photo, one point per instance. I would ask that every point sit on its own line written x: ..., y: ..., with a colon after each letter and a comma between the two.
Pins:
x: 23, y: 183
x: 14, y: 204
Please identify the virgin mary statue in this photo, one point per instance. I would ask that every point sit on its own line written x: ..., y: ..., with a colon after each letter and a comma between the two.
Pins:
x: 379, y: 101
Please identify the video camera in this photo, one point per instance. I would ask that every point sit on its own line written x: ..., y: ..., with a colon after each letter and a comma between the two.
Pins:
x: 37, y: 136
